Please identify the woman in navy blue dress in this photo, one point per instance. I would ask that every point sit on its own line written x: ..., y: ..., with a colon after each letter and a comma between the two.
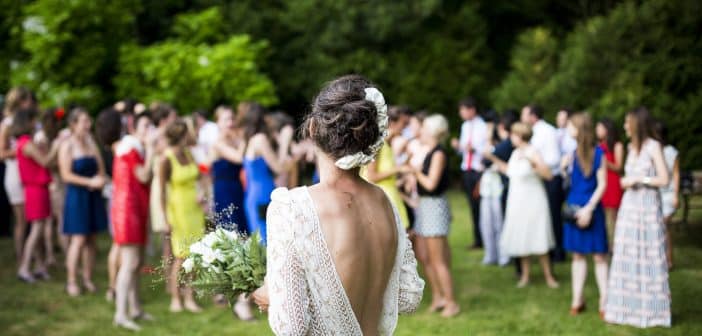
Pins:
x: 587, y: 233
x: 84, y: 214
x: 227, y: 154
x: 261, y: 162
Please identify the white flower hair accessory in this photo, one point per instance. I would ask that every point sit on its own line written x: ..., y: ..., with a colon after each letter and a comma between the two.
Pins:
x: 360, y: 158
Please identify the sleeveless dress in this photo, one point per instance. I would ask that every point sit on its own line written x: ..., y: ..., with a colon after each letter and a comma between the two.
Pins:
x: 11, y: 181
x: 228, y: 195
x: 306, y: 294
x: 129, y: 211
x: 260, y: 184
x: 638, y: 292
x: 612, y: 197
x: 527, y: 229
x: 433, y: 210
x: 592, y: 239
x: 385, y: 161
x: 35, y: 181
x: 183, y: 211
x: 84, y: 211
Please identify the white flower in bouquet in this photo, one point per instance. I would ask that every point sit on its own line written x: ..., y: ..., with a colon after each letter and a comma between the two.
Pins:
x: 188, y: 265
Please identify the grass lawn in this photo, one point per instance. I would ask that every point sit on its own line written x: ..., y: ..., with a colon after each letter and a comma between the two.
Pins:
x: 491, y: 303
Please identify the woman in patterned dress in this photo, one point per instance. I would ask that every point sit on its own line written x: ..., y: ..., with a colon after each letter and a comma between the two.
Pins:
x: 638, y: 293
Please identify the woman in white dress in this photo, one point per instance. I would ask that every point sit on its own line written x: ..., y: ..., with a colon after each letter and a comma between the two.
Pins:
x: 17, y: 99
x: 339, y: 261
x: 527, y: 229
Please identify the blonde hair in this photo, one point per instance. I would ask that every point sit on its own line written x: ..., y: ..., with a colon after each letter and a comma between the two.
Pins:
x: 438, y: 126
x: 14, y: 99
x: 522, y: 130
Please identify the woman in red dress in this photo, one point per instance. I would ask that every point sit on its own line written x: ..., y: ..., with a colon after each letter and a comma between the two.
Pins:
x: 32, y: 162
x: 129, y: 214
x: 613, y: 148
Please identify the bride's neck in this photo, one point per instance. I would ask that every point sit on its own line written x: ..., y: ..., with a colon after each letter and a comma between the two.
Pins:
x: 332, y: 176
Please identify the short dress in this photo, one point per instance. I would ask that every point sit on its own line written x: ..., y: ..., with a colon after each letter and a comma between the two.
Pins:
x: 130, y: 207
x: 592, y: 239
x: 612, y: 197
x: 260, y: 184
x: 11, y: 181
x: 184, y: 214
x: 228, y: 194
x: 35, y: 181
x: 84, y: 211
x: 433, y: 212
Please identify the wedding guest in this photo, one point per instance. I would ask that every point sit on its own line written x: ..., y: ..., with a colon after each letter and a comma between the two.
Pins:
x: 545, y: 142
x: 638, y: 292
x: 471, y: 145
x: 260, y: 163
x: 129, y: 214
x: 185, y: 218
x: 18, y: 98
x: 109, y: 130
x: 84, y: 214
x: 613, y: 149
x: 207, y: 130
x: 53, y: 132
x: 669, y: 192
x: 493, y: 191
x: 586, y: 233
x: 340, y: 238
x: 281, y: 127
x: 32, y: 161
x: 566, y: 142
x: 383, y: 170
x: 527, y: 228
x: 434, y: 215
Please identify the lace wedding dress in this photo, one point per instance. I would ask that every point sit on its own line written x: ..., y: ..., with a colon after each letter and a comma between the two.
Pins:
x: 305, y: 291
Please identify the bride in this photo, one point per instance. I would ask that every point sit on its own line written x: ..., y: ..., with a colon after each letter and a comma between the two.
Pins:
x: 339, y: 261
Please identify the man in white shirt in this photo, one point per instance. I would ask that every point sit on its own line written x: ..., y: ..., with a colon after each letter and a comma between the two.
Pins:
x: 471, y: 144
x: 207, y: 133
x: 565, y: 141
x: 545, y: 141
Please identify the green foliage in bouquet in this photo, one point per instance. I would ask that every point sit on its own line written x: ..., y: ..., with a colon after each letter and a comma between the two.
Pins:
x: 223, y: 262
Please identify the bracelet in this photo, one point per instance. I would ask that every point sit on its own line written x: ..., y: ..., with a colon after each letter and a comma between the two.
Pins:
x: 646, y: 181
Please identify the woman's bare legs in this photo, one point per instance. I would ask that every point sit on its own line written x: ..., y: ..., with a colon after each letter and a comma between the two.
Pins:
x: 548, y: 275
x: 167, y: 259
x: 29, y: 252
x: 669, y: 241
x: 611, y: 221
x: 440, y: 261
x: 437, y: 297
x: 601, y: 276
x: 75, y: 247
x: 48, y: 235
x: 113, y: 265
x: 125, y: 299
x: 579, y: 274
x: 88, y: 256
x: 524, y: 279
x: 174, y: 286
x: 19, y: 230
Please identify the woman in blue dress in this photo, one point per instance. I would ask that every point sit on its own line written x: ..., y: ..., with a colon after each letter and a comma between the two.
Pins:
x: 84, y: 214
x: 261, y: 162
x: 587, y: 233
x: 227, y: 155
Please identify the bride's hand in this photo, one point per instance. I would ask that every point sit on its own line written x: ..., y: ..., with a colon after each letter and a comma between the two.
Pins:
x: 260, y: 297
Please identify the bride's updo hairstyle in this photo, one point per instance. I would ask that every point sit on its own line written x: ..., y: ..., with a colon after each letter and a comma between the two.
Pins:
x: 343, y: 122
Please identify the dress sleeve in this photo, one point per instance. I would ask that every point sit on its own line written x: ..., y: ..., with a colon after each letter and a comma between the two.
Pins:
x: 411, y: 285
x: 289, y: 311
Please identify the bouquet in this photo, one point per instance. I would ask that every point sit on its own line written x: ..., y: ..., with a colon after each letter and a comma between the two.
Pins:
x: 224, y: 262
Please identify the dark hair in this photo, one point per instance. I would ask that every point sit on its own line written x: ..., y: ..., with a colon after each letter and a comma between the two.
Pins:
x: 468, y: 102
x: 421, y: 115
x: 342, y: 121
x: 251, y: 116
x: 612, y: 132
x: 279, y: 119
x: 567, y: 110
x: 52, y: 122
x: 508, y: 118
x: 176, y: 131
x: 108, y: 126
x: 535, y: 110
x: 642, y: 127
x: 14, y: 99
x: 74, y: 113
x: 160, y: 111
x: 660, y: 131
x: 490, y: 115
x: 395, y: 112
x: 145, y: 114
x: 23, y: 122
x: 201, y: 112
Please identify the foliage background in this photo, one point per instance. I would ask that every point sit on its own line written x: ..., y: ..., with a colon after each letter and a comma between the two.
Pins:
x: 604, y: 56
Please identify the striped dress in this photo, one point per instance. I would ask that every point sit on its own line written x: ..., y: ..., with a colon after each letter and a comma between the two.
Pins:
x: 638, y: 291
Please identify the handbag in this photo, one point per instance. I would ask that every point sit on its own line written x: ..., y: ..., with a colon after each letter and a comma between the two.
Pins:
x: 569, y: 215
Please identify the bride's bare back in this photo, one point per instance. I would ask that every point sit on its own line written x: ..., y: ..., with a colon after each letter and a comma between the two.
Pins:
x: 359, y: 229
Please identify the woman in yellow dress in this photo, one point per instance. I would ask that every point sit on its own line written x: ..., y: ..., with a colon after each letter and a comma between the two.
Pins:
x: 383, y: 171
x: 182, y: 205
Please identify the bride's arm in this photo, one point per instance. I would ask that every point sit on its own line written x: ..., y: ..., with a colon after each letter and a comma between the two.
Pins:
x: 411, y: 285
x: 288, y: 313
